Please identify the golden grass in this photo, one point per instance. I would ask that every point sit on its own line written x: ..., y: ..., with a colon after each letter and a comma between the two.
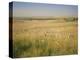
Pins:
x: 44, y: 38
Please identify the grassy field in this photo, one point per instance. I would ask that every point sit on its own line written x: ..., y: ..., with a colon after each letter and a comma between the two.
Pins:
x: 33, y: 38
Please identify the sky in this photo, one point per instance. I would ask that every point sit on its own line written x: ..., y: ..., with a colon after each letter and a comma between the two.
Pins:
x: 27, y: 9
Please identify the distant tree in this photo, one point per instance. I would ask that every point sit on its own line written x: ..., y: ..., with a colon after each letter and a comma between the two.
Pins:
x: 71, y: 19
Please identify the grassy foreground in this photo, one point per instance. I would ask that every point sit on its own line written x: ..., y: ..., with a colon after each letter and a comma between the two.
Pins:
x: 44, y: 38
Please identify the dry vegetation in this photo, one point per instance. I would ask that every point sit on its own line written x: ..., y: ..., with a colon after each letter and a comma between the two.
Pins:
x: 44, y: 38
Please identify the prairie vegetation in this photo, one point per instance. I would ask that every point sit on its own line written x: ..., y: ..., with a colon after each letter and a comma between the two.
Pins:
x: 33, y: 38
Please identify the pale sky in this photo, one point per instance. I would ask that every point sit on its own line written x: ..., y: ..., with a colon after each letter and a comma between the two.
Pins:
x: 26, y: 9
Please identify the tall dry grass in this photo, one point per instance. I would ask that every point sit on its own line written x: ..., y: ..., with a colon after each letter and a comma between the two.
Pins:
x: 44, y: 38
